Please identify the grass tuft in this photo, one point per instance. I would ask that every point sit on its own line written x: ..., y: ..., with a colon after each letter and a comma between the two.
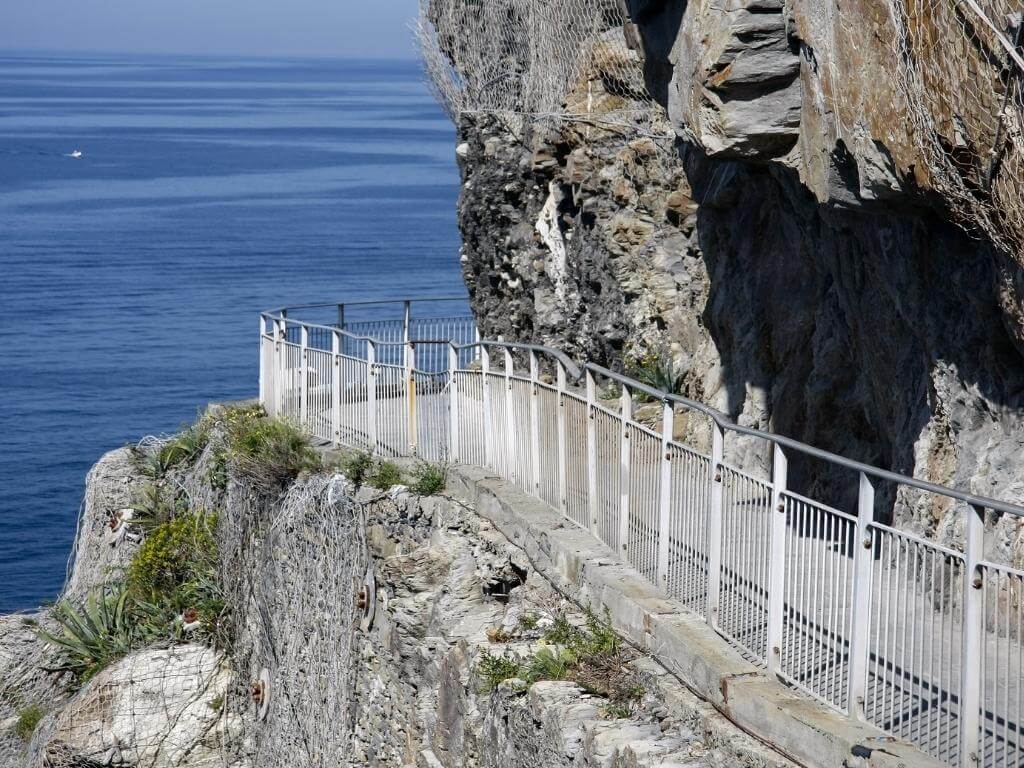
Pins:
x: 28, y: 721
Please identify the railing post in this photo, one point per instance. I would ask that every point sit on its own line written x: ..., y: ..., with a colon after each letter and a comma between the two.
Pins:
x: 280, y: 363
x: 973, y: 616
x: 336, y: 388
x: 406, y: 321
x: 304, y: 377
x: 453, y: 404
x: 410, y: 393
x: 625, y: 414
x: 777, y: 560
x: 592, y: 454
x: 563, y: 471
x: 715, y: 525
x: 863, y: 555
x: 485, y: 369
x: 665, y: 491
x: 263, y: 356
x: 534, y: 426
x: 371, y: 394
x: 511, y: 454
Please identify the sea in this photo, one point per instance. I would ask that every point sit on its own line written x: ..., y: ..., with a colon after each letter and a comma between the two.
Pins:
x: 150, y: 208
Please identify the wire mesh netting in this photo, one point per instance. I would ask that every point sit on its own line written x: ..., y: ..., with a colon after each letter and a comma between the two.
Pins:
x: 961, y: 70
x: 538, y: 59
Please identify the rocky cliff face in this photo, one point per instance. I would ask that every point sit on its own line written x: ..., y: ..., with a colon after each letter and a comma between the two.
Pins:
x: 794, y: 243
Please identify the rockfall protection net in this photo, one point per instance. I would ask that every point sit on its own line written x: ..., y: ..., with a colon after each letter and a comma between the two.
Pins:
x: 537, y: 59
x: 293, y: 570
x: 961, y: 70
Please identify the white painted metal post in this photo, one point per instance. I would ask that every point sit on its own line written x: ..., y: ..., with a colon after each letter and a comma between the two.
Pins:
x: 534, y: 426
x: 371, y: 394
x: 453, y: 404
x: 511, y: 454
x: 304, y: 377
x: 863, y: 554
x: 409, y: 361
x: 280, y: 361
x: 485, y: 368
x: 336, y: 385
x: 665, y: 492
x: 563, y: 470
x: 715, y: 525
x: 263, y: 357
x: 777, y: 560
x: 625, y: 414
x: 970, y: 663
x: 591, y: 454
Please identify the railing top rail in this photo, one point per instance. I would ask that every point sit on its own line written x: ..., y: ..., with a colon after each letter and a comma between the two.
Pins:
x: 575, y: 373
x: 365, y: 303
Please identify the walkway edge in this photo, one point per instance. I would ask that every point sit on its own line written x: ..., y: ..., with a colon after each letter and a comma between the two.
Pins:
x: 576, y: 562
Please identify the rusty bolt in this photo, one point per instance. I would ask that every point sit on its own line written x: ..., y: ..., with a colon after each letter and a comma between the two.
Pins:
x: 190, y: 615
x: 668, y: 457
x: 977, y: 583
x: 781, y: 507
x: 259, y: 692
x: 363, y: 598
x: 775, y: 650
x: 718, y: 477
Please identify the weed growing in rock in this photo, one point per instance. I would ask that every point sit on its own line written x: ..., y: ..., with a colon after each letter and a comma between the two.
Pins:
x: 429, y: 479
x: 183, y: 447
x: 658, y: 369
x: 28, y: 720
x: 528, y: 621
x: 493, y: 670
x: 357, y: 466
x: 590, y: 656
x: 385, y: 475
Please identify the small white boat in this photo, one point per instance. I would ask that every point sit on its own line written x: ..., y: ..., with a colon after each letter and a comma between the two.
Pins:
x: 76, y: 153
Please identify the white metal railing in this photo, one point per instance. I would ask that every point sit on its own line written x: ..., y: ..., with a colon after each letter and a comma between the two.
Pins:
x: 921, y: 640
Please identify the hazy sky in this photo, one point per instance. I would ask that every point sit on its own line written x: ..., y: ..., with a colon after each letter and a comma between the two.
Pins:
x: 269, y: 27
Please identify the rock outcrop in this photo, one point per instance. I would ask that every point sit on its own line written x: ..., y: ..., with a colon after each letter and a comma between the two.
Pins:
x: 793, y: 244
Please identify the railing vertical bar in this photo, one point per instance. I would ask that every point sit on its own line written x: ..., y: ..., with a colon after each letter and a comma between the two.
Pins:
x: 665, y: 492
x: 777, y: 560
x: 591, y: 388
x: 485, y: 369
x: 336, y: 384
x: 625, y: 451
x: 511, y: 454
x: 715, y: 525
x: 281, y: 353
x: 563, y: 467
x: 971, y: 647
x: 263, y: 355
x: 371, y: 395
x: 453, y: 404
x: 534, y: 426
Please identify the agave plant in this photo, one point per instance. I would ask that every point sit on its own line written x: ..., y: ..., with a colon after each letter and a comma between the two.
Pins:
x: 659, y: 369
x: 94, y: 636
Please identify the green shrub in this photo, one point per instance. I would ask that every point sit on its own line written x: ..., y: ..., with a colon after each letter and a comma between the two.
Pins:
x: 182, y: 447
x: 528, y: 621
x: 385, y: 475
x: 28, y: 720
x: 357, y: 466
x: 267, y: 451
x: 94, y: 636
x: 493, y: 670
x: 174, y: 572
x: 429, y: 479
x: 154, y: 505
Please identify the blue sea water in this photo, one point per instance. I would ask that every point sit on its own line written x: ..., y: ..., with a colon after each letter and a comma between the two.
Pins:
x: 131, y: 278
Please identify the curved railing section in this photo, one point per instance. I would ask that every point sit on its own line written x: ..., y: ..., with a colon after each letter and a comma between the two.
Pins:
x: 922, y: 640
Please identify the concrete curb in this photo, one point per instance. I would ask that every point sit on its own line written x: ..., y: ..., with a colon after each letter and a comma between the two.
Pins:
x: 577, y: 563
